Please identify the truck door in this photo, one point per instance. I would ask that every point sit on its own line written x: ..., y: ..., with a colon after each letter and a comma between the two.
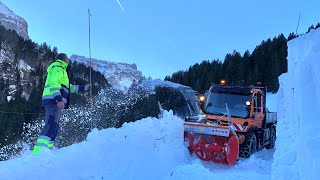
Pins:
x: 258, y: 109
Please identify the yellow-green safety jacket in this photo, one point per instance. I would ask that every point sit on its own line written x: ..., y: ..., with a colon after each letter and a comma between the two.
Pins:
x: 57, y: 87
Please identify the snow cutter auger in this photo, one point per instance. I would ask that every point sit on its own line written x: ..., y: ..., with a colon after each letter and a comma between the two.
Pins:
x: 212, y: 142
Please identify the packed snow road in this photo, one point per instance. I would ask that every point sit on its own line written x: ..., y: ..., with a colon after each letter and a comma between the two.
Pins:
x: 258, y: 166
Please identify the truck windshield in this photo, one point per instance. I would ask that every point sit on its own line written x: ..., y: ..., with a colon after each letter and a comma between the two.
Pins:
x: 216, y: 104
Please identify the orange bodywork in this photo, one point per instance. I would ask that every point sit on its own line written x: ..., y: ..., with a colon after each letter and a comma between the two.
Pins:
x: 242, y: 125
x: 214, y: 138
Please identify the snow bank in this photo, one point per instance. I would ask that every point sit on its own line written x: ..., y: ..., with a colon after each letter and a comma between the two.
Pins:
x: 298, y: 137
x: 272, y: 102
x: 146, y: 149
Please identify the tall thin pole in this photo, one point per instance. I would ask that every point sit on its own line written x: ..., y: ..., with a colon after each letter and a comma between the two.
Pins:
x: 91, y: 104
x: 298, y: 23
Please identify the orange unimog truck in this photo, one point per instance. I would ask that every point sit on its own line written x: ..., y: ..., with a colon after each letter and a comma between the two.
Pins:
x: 235, y: 122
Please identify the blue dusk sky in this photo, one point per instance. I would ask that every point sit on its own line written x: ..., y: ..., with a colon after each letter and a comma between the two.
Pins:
x: 162, y: 36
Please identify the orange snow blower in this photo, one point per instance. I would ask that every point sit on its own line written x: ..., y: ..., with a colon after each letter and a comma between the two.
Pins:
x: 212, y: 142
x: 234, y: 122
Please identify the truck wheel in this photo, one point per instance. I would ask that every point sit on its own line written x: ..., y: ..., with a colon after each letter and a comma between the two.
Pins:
x: 272, y: 139
x: 249, y: 146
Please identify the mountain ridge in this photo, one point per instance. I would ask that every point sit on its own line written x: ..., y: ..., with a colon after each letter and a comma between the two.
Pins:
x: 12, y: 21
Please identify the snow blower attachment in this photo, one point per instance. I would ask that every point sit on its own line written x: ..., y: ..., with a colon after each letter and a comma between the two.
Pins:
x: 234, y: 122
x: 211, y: 142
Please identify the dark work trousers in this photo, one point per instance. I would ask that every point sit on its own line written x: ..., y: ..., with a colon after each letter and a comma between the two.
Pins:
x: 52, y: 119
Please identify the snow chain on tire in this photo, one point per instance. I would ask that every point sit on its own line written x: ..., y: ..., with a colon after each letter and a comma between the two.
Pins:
x: 249, y: 146
x: 272, y: 139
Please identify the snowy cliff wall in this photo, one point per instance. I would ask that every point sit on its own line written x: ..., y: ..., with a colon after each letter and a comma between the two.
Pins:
x: 298, y: 136
x: 12, y: 21
x: 120, y: 75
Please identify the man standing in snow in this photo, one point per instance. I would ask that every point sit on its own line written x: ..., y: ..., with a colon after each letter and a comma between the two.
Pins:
x: 55, y: 97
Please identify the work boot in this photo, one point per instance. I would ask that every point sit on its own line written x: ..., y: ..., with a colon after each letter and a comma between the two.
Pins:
x: 42, y: 142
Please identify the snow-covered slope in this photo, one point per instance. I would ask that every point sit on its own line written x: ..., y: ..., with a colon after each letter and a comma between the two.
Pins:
x: 12, y: 21
x: 120, y: 75
x: 147, y: 149
x: 298, y: 137
x: 150, y: 84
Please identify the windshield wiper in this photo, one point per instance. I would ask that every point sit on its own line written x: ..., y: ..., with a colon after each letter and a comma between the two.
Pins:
x: 224, y: 114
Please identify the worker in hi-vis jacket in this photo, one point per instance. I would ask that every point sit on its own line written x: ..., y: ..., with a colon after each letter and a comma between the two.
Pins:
x: 55, y: 97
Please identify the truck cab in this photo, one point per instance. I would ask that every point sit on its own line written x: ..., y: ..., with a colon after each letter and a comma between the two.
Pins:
x: 254, y: 124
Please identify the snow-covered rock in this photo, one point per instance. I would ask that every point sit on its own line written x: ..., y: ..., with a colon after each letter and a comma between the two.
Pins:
x: 298, y: 136
x: 120, y: 75
x: 12, y: 89
x: 6, y: 55
x: 24, y: 66
x: 12, y: 21
x: 9, y: 98
x: 25, y: 95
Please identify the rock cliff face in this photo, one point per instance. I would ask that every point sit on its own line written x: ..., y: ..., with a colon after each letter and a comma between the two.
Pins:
x: 120, y: 75
x: 12, y: 21
x: 17, y: 72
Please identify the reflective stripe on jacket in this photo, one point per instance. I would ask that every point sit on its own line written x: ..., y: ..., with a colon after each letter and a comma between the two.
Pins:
x: 57, y: 87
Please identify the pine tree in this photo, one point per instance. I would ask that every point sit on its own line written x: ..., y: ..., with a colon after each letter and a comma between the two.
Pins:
x: 292, y: 36
x: 310, y: 28
x: 2, y: 84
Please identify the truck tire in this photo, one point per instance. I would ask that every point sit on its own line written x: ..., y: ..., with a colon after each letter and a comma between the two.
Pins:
x: 249, y: 146
x: 272, y: 138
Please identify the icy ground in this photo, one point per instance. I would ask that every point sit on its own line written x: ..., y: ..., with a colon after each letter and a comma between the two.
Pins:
x: 147, y: 149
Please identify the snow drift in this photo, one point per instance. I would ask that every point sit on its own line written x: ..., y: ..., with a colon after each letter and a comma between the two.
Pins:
x: 298, y: 136
x: 150, y: 148
x: 142, y: 150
